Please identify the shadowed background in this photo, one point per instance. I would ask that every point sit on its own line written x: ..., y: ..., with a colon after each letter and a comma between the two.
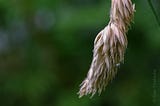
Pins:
x: 46, y: 51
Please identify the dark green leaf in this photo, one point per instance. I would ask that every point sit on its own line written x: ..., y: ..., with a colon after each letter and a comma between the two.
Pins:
x: 155, y: 4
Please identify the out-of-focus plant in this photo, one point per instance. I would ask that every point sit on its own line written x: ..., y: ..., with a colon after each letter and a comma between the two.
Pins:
x: 155, y: 4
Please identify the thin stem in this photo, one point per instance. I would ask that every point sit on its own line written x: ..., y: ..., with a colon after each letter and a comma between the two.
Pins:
x: 154, y: 12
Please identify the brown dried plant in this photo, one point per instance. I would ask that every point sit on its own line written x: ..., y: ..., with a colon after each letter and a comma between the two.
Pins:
x: 109, y: 48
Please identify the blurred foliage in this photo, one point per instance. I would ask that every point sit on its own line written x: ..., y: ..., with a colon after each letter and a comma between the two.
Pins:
x: 154, y: 4
x: 46, y: 49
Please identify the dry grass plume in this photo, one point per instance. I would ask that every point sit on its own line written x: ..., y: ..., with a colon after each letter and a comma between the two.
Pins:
x: 109, y: 48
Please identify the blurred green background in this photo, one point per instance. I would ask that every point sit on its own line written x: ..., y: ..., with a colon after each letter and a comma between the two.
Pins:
x: 46, y: 51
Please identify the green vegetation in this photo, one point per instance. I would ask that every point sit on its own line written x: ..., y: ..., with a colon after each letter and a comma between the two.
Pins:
x: 46, y: 49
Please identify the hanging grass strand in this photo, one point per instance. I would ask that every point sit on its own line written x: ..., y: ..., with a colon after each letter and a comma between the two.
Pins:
x: 109, y: 48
